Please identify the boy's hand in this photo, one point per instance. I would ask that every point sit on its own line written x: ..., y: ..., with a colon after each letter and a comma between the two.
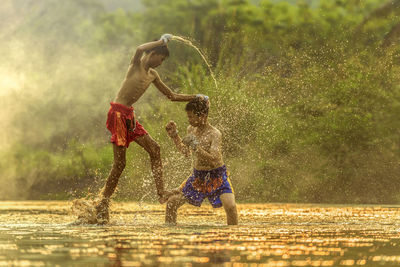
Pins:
x: 166, y: 37
x: 191, y: 141
x: 171, y: 129
x: 204, y: 98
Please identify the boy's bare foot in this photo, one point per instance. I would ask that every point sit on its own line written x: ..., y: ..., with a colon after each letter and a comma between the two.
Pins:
x: 165, y: 196
x: 102, y: 213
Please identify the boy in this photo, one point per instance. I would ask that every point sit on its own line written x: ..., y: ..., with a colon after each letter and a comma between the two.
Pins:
x: 209, y: 178
x: 123, y: 125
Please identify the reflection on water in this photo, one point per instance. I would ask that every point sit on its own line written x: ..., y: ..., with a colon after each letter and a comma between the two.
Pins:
x: 40, y: 234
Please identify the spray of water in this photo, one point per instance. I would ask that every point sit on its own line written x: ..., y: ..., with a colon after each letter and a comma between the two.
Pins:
x: 85, y: 210
x: 189, y: 43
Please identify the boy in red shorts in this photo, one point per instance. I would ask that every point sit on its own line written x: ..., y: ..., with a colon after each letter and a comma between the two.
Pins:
x: 210, y: 178
x: 123, y: 125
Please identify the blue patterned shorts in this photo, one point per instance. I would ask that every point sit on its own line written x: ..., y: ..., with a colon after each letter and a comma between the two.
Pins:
x: 211, y: 184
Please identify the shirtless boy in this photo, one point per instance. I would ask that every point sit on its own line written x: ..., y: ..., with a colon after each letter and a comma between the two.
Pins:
x: 209, y: 178
x: 123, y: 125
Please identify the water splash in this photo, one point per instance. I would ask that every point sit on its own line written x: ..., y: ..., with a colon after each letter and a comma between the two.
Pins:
x: 189, y: 43
x: 85, y: 210
x: 141, y: 203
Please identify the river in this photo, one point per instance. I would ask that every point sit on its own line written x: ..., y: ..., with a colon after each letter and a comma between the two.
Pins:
x: 40, y: 233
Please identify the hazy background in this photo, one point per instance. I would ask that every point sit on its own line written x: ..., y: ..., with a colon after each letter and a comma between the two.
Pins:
x: 308, y: 99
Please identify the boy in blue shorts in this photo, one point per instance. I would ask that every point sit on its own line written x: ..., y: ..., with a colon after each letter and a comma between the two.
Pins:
x: 209, y: 179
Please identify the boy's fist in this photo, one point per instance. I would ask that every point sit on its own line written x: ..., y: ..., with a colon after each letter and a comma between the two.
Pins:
x: 166, y: 37
x: 171, y: 129
x: 191, y: 141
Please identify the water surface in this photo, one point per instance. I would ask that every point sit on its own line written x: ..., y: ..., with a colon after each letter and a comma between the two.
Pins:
x: 40, y: 234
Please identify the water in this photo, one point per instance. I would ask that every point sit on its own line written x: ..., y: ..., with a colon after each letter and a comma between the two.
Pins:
x: 40, y: 234
x: 189, y: 43
x: 85, y: 211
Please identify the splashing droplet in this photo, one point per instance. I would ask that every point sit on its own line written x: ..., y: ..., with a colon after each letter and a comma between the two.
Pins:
x: 188, y: 42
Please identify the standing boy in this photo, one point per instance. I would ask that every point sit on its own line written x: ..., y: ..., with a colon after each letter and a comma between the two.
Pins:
x: 209, y: 178
x: 123, y: 125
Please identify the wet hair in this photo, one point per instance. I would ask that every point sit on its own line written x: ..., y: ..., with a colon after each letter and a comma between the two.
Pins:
x: 160, y: 50
x: 198, y: 106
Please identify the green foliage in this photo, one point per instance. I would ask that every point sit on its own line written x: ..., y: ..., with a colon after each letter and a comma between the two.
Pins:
x: 307, y: 99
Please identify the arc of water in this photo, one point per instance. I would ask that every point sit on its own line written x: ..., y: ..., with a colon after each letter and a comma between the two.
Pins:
x: 188, y: 42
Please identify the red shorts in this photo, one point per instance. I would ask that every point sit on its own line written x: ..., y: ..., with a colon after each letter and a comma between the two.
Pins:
x: 123, y: 126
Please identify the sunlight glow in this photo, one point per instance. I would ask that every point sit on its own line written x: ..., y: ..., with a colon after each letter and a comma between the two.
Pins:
x: 10, y: 82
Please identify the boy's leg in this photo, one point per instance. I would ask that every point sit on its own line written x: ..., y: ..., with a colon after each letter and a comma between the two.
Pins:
x: 228, y: 201
x: 116, y: 171
x: 174, y: 202
x: 111, y: 184
x: 153, y: 149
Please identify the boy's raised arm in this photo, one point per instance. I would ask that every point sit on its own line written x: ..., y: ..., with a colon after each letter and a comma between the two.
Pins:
x: 144, y: 47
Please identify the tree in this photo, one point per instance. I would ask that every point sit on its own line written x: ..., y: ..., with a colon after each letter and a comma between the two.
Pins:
x: 384, y: 11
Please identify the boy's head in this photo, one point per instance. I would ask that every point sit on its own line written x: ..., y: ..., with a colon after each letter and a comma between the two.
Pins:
x: 157, y: 55
x: 197, y: 111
